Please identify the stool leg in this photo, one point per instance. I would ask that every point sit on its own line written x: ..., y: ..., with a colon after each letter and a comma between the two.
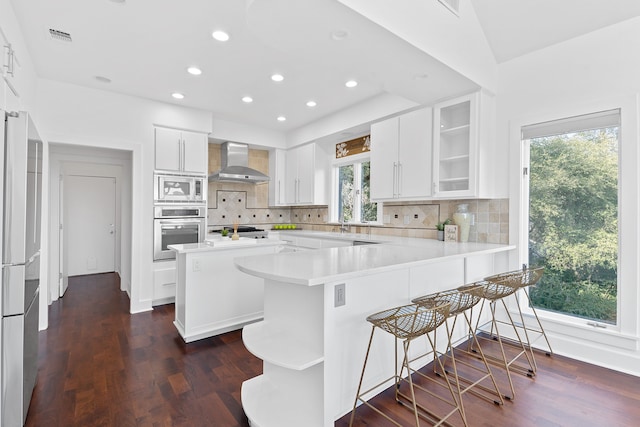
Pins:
x: 490, y: 394
x: 405, y: 362
x: 364, y: 366
x: 535, y: 314
x: 532, y: 361
x: 530, y: 372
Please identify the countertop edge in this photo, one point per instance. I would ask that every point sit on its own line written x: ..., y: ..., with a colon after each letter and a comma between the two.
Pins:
x: 242, y: 264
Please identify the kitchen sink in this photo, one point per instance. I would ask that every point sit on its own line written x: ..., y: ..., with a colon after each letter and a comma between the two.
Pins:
x: 364, y: 242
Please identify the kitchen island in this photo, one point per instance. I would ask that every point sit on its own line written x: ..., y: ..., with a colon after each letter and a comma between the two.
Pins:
x: 314, y: 334
x: 212, y: 296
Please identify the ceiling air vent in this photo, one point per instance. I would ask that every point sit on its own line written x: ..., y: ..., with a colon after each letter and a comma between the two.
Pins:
x: 452, y: 5
x: 59, y: 35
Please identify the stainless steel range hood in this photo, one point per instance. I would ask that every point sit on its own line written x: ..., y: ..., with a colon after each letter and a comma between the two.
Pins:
x: 235, y: 165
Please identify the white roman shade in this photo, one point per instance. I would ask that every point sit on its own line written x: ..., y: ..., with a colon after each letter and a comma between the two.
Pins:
x: 602, y: 119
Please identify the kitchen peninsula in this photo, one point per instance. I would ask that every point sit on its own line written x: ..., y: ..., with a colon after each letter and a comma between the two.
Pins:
x: 314, y: 333
x: 213, y: 297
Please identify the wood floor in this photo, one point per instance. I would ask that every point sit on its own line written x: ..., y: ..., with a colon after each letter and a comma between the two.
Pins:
x: 101, y: 366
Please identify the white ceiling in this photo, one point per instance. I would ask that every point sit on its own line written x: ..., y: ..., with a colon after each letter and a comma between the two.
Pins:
x: 517, y: 27
x: 145, y: 46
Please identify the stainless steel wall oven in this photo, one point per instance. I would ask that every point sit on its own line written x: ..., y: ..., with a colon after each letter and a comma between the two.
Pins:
x: 176, y: 225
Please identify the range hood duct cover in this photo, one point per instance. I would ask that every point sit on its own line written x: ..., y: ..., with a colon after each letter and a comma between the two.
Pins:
x: 235, y: 165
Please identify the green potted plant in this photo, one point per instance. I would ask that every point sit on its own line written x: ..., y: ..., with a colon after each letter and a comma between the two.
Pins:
x: 440, y: 228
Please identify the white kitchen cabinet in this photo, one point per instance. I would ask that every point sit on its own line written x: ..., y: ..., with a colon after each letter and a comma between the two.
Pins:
x: 181, y: 151
x: 214, y: 297
x: 401, y: 157
x: 164, y: 282
x: 306, y: 173
x: 277, y: 173
x: 12, y: 77
x: 463, y: 147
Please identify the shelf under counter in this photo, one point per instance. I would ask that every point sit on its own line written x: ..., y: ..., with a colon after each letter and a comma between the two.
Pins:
x: 267, y: 403
x: 280, y: 347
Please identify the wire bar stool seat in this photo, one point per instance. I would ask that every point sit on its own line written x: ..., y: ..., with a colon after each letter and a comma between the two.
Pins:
x: 407, y: 323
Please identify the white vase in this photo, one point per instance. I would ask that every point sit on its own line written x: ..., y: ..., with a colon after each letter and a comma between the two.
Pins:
x: 462, y: 218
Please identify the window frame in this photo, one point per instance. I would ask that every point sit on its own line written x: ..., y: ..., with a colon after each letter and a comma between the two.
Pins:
x: 565, y: 328
x: 574, y: 125
x: 335, y: 176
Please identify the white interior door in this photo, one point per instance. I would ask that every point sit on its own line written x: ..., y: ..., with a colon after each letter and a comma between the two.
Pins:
x: 89, y: 218
x: 63, y: 280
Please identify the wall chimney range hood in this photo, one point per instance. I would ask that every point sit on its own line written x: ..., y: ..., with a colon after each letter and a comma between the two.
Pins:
x: 235, y: 165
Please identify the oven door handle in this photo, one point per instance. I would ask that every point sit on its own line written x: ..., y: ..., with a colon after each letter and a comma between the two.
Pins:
x: 180, y: 221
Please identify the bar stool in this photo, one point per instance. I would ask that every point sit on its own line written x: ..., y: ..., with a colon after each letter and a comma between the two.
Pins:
x: 460, y: 301
x: 494, y: 292
x: 407, y: 323
x: 523, y: 279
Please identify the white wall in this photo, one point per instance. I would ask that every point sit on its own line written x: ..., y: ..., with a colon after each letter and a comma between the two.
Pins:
x: 227, y: 130
x: 372, y: 110
x: 74, y: 115
x: 595, y: 72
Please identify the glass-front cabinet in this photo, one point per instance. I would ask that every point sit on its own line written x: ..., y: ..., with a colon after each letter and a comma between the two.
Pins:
x: 455, y: 147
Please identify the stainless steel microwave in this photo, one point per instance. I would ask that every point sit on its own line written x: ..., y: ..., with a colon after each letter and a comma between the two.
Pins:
x: 179, y: 188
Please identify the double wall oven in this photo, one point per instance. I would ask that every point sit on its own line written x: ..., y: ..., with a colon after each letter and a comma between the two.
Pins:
x: 179, y: 212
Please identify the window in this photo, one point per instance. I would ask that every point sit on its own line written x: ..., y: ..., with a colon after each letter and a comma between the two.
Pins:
x: 353, y: 195
x: 572, y: 187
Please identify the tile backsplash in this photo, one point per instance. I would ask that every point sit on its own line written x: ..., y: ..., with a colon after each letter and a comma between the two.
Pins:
x: 248, y: 204
x: 413, y: 219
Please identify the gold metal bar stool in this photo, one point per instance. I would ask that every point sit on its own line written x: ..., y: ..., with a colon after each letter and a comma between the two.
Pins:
x: 523, y: 279
x: 494, y: 292
x: 460, y: 301
x: 407, y: 323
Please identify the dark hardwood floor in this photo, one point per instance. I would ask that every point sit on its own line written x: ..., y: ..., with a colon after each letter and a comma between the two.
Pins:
x: 101, y: 366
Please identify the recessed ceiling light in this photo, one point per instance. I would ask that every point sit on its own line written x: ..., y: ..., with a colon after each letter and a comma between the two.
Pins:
x: 351, y: 83
x: 281, y: 118
x: 194, y: 70
x: 102, y: 79
x: 311, y: 103
x: 117, y: 1
x: 221, y: 36
x: 338, y: 35
x: 247, y: 99
x: 177, y: 95
x: 420, y: 76
x: 277, y: 77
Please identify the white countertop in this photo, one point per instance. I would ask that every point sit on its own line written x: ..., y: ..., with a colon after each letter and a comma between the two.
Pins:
x: 315, y: 267
x: 221, y: 243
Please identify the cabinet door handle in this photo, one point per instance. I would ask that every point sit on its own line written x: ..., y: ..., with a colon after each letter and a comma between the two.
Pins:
x: 399, y: 179
x: 184, y: 155
x: 395, y: 177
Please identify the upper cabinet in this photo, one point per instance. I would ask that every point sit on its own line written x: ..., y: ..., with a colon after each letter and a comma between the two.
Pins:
x: 277, y: 171
x: 181, y: 151
x: 463, y: 126
x: 12, y: 77
x: 306, y: 175
x: 401, y: 157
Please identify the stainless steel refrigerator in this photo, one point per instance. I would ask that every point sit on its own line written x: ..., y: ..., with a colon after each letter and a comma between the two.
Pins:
x: 22, y: 195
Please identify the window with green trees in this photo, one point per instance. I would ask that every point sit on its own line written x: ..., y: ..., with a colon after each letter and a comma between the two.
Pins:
x: 354, y: 193
x: 573, y: 221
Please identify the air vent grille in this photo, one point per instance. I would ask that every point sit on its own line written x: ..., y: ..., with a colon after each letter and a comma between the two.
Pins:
x: 452, y: 5
x: 59, y: 35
